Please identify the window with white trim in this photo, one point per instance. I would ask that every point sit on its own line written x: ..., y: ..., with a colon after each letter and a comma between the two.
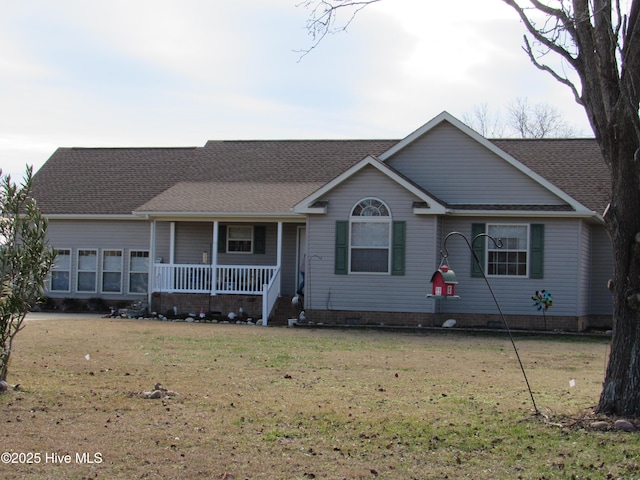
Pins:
x: 138, y: 271
x: 61, y: 271
x: 239, y: 239
x: 370, y: 237
x: 112, y: 271
x: 511, y: 260
x: 87, y: 270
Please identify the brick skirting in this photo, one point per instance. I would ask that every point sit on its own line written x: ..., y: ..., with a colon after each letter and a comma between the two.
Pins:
x: 463, y: 320
x: 186, y: 303
x: 163, y: 303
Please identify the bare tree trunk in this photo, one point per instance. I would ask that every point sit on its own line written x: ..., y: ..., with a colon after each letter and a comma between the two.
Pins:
x: 621, y: 389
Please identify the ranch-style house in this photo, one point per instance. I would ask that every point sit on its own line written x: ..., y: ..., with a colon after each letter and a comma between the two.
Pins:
x: 241, y: 224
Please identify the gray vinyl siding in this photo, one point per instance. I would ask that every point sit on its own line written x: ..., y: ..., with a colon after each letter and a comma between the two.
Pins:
x: 561, y: 272
x: 584, y: 269
x: 370, y: 292
x: 191, y: 240
x: 457, y: 169
x: 163, y: 248
x: 601, y: 271
x: 194, y: 238
x: 98, y: 235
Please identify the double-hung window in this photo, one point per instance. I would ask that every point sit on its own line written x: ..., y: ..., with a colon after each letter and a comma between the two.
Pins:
x: 239, y: 239
x: 512, y: 259
x: 112, y: 271
x: 61, y: 271
x: 370, y: 237
x: 87, y: 269
x: 138, y: 271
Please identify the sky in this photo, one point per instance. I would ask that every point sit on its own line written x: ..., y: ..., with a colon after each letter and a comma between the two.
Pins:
x: 133, y: 73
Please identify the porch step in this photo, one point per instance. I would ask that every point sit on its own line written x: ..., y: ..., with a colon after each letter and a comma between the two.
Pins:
x: 283, y: 311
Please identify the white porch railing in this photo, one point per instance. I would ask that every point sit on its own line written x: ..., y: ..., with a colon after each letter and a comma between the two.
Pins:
x: 270, y: 295
x: 230, y: 279
x: 193, y: 278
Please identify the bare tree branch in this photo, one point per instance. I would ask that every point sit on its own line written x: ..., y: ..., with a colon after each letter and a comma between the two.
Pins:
x: 323, y: 18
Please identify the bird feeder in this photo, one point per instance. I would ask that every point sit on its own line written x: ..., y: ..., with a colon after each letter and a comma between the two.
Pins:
x: 443, y: 284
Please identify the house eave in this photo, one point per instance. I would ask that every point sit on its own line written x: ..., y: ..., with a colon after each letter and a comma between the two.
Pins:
x: 429, y: 211
x: 90, y: 216
x: 591, y: 215
x: 240, y: 216
x: 312, y: 211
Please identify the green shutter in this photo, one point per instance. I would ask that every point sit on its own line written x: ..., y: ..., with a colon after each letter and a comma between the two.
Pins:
x: 398, y: 252
x: 222, y: 239
x: 536, y: 262
x: 478, y: 248
x: 259, y: 239
x: 342, y: 247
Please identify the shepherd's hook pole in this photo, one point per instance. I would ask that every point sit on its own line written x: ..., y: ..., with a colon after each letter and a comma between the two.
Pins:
x: 497, y: 243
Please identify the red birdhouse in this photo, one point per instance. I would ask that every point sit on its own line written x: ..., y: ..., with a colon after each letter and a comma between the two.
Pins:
x: 443, y: 283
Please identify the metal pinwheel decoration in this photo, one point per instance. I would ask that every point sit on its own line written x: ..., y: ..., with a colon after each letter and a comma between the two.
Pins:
x: 542, y: 300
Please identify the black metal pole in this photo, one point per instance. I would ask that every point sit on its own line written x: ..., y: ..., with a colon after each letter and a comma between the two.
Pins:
x: 497, y: 243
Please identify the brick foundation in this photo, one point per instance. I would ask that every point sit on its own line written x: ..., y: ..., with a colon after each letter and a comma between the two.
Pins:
x: 516, y: 322
x: 163, y: 303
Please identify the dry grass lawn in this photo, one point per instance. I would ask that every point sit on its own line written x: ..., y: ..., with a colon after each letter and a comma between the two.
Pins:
x: 283, y: 403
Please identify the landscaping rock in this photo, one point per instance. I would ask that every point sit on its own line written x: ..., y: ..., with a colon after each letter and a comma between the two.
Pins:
x: 159, y: 392
x: 600, y: 425
x: 3, y: 386
x: 625, y: 426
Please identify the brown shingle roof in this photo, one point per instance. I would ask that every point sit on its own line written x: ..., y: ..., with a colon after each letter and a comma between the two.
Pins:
x: 573, y: 165
x: 120, y: 180
x: 230, y: 197
x: 287, y: 161
x: 270, y: 175
x: 106, y: 180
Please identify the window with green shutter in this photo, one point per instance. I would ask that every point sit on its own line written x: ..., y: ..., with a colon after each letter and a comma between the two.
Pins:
x: 370, y: 242
x: 259, y: 239
x: 342, y: 247
x: 536, y: 262
x: 521, y: 253
x: 242, y: 239
x: 478, y: 248
x: 398, y: 252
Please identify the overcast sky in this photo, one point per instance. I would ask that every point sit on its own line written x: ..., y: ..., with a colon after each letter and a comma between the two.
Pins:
x: 181, y: 72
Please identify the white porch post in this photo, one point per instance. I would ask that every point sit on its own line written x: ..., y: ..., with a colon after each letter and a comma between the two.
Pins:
x: 172, y: 253
x: 152, y: 262
x: 172, y: 242
x: 279, y: 258
x: 265, y: 302
x: 214, y: 259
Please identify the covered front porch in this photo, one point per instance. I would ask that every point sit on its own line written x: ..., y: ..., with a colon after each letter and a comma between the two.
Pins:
x: 220, y: 280
x: 226, y: 258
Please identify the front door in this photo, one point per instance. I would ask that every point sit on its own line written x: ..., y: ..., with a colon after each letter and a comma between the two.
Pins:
x: 301, y: 260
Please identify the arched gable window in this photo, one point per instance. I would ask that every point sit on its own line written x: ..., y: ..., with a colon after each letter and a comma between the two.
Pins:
x: 370, y: 237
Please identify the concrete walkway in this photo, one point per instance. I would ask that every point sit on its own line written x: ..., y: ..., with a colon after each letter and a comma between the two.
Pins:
x: 31, y: 316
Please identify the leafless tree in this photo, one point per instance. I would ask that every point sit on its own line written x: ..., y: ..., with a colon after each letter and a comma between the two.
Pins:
x: 540, y: 120
x: 598, y: 43
x: 520, y: 119
x: 328, y: 17
x: 487, y: 123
